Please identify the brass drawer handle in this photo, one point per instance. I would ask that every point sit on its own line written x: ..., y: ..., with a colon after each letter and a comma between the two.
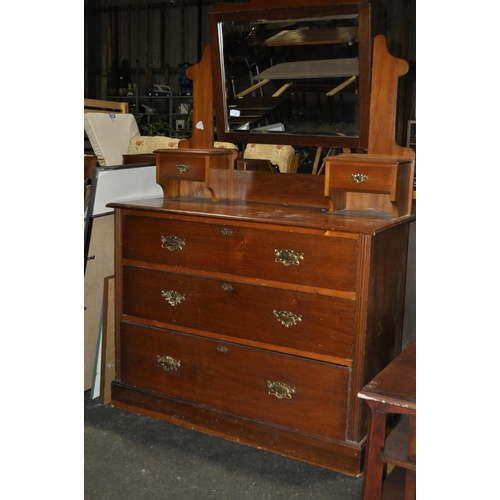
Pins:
x: 226, y: 231
x: 222, y: 348
x: 280, y: 390
x: 359, y: 178
x: 287, y: 318
x: 288, y: 257
x: 227, y: 287
x: 172, y: 297
x: 168, y: 363
x: 181, y: 168
x: 172, y: 243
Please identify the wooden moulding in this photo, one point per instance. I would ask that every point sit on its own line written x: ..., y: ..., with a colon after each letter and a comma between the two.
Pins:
x: 108, y: 341
x: 339, y: 456
x: 264, y: 4
x: 134, y: 159
x: 362, y: 182
x: 181, y: 171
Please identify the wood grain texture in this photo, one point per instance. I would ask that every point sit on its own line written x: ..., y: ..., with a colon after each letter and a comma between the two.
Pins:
x: 386, y: 71
x: 350, y: 302
x: 99, y: 266
x: 235, y: 379
x: 331, y: 454
x: 108, y: 341
x: 277, y: 4
x: 202, y: 135
x: 243, y: 311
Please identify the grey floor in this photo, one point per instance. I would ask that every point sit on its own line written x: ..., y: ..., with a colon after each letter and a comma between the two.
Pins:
x: 129, y: 457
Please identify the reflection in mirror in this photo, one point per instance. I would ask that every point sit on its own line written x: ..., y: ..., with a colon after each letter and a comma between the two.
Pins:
x: 291, y: 76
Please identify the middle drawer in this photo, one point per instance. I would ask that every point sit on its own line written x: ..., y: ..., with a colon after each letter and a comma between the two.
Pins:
x: 286, y: 318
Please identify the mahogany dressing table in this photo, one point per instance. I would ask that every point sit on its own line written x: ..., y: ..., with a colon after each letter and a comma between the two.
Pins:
x: 253, y: 305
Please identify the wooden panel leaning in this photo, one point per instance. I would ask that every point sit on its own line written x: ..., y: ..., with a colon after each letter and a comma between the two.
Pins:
x: 100, y: 106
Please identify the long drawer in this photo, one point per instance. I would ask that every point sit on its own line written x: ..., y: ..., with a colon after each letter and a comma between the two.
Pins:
x: 293, y: 257
x: 285, y: 318
x: 284, y: 390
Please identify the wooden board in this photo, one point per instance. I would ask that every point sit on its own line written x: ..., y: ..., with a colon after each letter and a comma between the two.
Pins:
x: 108, y: 341
x: 325, y: 68
x: 313, y: 37
x: 100, y: 264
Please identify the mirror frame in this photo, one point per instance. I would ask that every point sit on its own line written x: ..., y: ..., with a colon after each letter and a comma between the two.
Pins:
x: 297, y: 10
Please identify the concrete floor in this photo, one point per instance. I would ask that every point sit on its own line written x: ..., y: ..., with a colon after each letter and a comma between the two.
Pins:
x: 132, y: 457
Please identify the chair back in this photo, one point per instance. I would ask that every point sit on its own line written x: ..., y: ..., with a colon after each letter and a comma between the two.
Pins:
x: 281, y: 155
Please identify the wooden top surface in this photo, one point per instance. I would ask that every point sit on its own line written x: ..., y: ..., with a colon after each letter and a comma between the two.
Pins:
x: 367, y: 222
x: 264, y: 4
x: 195, y: 151
x: 396, y: 383
x: 323, y: 68
x: 312, y: 36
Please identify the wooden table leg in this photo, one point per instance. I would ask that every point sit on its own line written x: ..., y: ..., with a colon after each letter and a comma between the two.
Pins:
x: 374, y: 468
x: 411, y: 477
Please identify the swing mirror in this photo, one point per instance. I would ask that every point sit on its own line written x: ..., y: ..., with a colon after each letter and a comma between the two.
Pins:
x: 298, y: 75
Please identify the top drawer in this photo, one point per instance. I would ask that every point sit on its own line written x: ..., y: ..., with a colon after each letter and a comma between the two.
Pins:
x: 313, y: 260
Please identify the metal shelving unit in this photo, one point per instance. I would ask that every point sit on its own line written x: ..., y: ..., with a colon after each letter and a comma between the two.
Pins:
x: 171, y: 108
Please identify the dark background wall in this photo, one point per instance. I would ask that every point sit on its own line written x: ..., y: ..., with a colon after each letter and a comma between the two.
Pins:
x: 155, y: 36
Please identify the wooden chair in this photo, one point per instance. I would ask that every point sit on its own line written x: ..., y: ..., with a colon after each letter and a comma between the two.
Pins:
x: 284, y: 156
x: 392, y: 391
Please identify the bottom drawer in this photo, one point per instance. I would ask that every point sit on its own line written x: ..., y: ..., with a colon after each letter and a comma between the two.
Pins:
x: 297, y: 393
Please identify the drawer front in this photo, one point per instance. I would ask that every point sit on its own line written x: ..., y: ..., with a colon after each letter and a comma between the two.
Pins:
x: 364, y: 178
x: 235, y: 379
x: 286, y: 318
x: 323, y: 261
x: 182, y: 166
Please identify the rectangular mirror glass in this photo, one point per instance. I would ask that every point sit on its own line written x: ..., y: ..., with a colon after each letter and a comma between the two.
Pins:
x: 293, y: 76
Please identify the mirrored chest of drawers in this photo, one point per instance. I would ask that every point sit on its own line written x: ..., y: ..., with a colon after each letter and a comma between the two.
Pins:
x: 257, y: 322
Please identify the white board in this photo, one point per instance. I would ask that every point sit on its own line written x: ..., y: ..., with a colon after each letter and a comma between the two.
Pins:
x: 117, y: 184
x: 122, y: 183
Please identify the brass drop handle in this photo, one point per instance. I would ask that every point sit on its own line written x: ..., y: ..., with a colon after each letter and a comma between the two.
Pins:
x: 168, y: 363
x: 182, y: 168
x: 288, y: 257
x: 287, y: 318
x: 172, y: 297
x: 172, y: 243
x: 280, y: 390
x: 359, y: 178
